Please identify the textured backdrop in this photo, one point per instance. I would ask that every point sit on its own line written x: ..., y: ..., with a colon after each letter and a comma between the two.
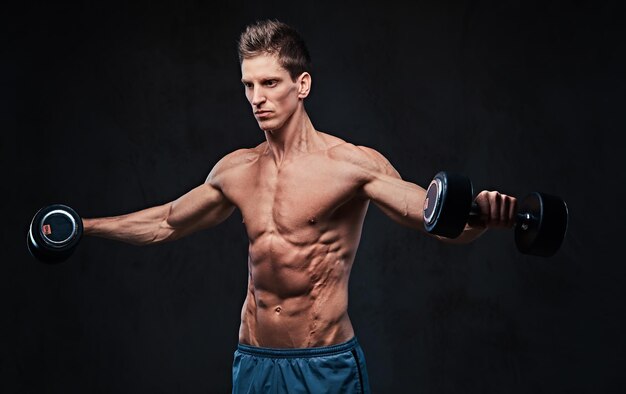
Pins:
x: 117, y: 107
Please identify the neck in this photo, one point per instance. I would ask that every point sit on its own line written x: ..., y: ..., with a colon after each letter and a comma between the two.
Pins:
x: 297, y: 136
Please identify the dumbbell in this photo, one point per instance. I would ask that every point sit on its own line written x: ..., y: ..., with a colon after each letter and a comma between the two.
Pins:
x: 541, y: 219
x: 54, y: 233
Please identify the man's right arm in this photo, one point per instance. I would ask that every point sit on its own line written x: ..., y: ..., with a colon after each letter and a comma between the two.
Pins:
x: 202, y: 207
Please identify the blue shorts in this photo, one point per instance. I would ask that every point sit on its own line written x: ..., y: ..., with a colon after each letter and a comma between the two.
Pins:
x: 330, y: 369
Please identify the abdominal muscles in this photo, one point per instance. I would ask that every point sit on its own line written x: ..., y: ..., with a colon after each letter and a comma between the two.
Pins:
x: 298, y: 289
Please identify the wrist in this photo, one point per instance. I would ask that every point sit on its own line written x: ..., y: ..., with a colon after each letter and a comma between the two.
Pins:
x: 87, y: 226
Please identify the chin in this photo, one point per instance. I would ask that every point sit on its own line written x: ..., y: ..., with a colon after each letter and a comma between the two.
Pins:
x: 269, y: 125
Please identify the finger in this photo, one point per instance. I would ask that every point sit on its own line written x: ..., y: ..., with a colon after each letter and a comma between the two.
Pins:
x: 504, y: 211
x: 485, y: 207
x: 513, y: 211
x: 494, y: 206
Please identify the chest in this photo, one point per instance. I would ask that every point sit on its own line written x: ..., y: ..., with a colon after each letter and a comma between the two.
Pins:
x: 298, y: 195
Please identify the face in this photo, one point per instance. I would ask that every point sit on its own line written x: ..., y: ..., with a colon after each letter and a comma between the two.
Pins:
x: 271, y: 92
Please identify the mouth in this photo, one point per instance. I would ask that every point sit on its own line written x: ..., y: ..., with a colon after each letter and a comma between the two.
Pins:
x: 262, y: 114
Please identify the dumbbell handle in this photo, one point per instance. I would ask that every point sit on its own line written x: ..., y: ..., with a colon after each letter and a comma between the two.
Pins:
x: 522, y: 219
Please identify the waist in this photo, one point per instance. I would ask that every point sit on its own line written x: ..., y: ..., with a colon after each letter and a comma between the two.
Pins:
x: 299, y: 352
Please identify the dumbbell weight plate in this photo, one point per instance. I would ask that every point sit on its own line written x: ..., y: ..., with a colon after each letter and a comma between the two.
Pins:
x: 54, y: 233
x: 541, y: 224
x: 46, y: 255
x: 447, y: 204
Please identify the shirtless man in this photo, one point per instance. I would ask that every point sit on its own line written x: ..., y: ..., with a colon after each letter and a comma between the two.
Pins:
x: 303, y: 195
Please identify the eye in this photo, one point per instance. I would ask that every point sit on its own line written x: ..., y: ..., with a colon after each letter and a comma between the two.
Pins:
x: 271, y: 83
x: 247, y: 84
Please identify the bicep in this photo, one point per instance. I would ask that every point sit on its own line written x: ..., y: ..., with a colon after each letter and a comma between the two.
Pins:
x: 200, y: 208
x: 402, y: 201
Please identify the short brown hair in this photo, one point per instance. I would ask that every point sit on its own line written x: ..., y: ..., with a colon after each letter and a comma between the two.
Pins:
x: 275, y: 38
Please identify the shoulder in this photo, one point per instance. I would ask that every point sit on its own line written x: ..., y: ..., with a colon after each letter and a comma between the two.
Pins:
x: 238, y: 158
x: 363, y: 157
x: 235, y: 160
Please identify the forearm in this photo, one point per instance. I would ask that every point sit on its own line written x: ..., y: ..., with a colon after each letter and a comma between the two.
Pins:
x: 469, y: 234
x: 137, y: 228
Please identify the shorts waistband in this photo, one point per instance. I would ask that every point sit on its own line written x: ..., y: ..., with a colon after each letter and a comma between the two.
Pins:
x: 298, y: 352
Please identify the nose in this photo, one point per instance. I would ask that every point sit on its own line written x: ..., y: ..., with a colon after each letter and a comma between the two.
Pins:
x: 258, y: 97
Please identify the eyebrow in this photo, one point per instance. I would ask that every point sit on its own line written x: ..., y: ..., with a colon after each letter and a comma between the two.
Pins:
x: 264, y: 79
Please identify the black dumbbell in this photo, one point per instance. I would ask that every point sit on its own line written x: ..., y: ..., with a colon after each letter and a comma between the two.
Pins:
x: 54, y: 233
x: 541, y: 219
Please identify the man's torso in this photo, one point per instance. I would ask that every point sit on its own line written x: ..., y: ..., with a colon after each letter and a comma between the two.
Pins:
x: 303, y: 219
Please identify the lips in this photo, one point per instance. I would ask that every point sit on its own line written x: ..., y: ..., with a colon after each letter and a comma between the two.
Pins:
x: 262, y: 114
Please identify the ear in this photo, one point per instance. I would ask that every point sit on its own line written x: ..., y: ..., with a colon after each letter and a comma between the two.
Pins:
x: 304, y: 85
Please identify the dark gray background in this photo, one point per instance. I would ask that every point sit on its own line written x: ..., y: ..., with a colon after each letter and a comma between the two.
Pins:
x: 113, y: 108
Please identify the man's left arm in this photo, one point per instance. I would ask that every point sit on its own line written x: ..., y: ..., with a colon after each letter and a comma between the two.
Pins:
x: 403, y: 201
